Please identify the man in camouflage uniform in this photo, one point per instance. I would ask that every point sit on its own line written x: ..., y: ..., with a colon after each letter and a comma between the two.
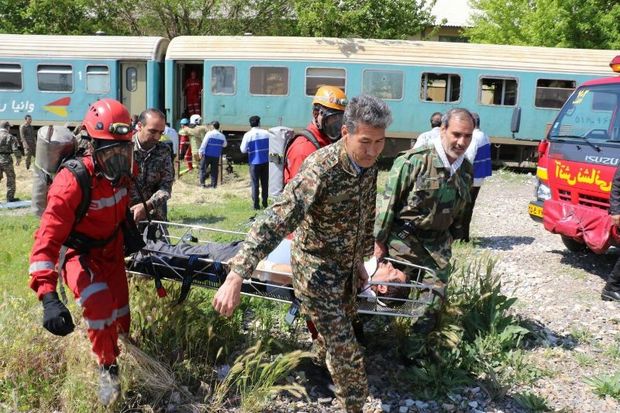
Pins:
x: 330, y: 205
x: 425, y: 197
x: 8, y: 147
x: 155, y: 170
x: 29, y: 140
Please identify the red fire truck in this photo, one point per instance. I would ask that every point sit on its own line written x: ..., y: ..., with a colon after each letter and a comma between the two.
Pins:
x: 576, y: 164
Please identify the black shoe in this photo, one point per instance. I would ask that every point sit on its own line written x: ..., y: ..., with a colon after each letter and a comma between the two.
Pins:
x: 109, y: 384
x: 425, y: 324
x: 318, y: 377
x: 13, y: 200
x: 610, y: 295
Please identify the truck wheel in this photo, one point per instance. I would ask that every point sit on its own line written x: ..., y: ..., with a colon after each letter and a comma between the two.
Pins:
x: 573, y: 245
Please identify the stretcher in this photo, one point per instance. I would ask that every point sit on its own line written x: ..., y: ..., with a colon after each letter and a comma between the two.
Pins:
x: 176, y: 252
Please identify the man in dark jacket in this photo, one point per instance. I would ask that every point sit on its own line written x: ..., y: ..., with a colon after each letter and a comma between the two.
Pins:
x: 611, y: 291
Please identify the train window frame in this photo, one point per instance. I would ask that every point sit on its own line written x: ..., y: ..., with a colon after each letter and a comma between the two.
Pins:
x: 288, y: 80
x: 234, y: 81
x: 402, y: 72
x: 344, y: 69
x: 496, y: 77
x: 128, y: 78
x: 443, y: 101
x: 21, y: 76
x: 109, y: 80
x: 550, y: 79
x: 57, y: 65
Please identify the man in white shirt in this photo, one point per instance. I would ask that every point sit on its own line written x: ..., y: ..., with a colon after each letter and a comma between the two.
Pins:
x: 426, y: 137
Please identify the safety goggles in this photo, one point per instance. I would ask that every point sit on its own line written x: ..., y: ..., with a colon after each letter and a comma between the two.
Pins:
x: 119, y: 128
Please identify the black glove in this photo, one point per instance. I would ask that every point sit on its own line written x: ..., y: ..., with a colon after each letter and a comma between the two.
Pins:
x: 56, y: 317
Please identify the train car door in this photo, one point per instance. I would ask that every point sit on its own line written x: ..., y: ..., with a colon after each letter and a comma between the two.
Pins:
x: 133, y: 86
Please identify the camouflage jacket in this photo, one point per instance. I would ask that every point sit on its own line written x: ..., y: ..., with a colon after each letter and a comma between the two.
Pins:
x: 331, y: 208
x: 8, y: 146
x: 155, y: 177
x: 28, y: 137
x: 421, y: 193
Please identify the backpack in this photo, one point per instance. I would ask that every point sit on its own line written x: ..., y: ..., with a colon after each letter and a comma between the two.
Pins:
x: 277, y: 158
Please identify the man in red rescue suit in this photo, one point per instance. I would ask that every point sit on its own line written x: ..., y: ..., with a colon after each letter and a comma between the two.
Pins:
x: 327, y: 111
x: 93, y: 264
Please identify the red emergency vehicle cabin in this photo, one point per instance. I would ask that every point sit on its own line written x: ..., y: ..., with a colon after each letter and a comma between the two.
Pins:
x: 576, y: 164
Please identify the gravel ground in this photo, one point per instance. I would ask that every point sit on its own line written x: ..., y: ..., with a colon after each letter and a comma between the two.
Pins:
x: 558, y: 294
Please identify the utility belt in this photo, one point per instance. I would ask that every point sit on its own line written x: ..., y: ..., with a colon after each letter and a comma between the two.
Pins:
x: 83, y: 243
x: 407, y: 229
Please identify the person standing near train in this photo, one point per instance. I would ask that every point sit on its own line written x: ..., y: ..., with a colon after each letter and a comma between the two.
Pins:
x: 8, y: 146
x: 29, y: 140
x: 210, y: 152
x: 426, y: 137
x: 193, y: 90
x: 255, y: 143
x: 327, y: 111
x: 185, y: 149
x: 479, y: 155
x: 330, y: 205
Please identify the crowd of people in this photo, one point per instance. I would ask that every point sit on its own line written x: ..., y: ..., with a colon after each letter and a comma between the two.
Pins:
x: 329, y: 202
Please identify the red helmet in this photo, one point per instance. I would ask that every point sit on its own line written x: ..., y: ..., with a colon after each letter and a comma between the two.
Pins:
x: 108, y: 119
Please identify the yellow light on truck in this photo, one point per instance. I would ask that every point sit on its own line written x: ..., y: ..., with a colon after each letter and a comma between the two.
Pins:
x: 615, y: 64
x: 541, y: 173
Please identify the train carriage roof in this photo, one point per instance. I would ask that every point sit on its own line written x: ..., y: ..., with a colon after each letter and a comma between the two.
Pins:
x: 405, y: 52
x: 83, y: 47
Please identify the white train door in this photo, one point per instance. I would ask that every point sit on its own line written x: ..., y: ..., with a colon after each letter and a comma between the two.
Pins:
x: 133, y: 86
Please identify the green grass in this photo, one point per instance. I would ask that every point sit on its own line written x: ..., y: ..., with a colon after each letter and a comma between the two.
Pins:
x: 606, y: 385
x: 179, y: 347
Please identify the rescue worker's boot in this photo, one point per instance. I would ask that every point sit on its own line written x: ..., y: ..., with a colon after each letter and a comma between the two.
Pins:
x: 611, y: 291
x: 109, y: 384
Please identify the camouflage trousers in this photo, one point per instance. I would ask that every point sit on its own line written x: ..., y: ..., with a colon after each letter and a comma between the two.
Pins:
x: 333, y: 318
x: 29, y: 153
x: 6, y: 168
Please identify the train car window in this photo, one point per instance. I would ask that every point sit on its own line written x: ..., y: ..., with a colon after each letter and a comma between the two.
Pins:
x: 384, y: 84
x: 55, y: 78
x: 324, y: 76
x: 223, y: 80
x: 97, y: 79
x: 268, y: 80
x: 498, y: 91
x: 552, y: 93
x: 440, y: 87
x: 131, y: 79
x: 10, y: 76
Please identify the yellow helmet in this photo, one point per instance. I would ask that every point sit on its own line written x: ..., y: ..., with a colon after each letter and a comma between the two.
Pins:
x: 331, y: 97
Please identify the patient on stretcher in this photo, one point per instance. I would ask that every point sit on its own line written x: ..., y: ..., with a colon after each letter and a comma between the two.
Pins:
x: 204, y: 262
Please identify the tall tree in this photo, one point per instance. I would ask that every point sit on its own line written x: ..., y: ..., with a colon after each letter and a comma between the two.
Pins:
x: 593, y: 24
x: 395, y: 19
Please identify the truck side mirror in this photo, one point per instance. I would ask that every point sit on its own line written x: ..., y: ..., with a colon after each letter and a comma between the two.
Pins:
x: 515, y: 123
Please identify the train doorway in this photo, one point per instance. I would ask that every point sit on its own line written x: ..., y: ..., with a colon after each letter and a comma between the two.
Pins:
x: 189, y: 82
x: 133, y: 86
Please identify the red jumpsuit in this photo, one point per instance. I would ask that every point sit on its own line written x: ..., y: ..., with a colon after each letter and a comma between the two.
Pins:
x: 97, y: 277
x: 192, y: 94
x: 300, y: 149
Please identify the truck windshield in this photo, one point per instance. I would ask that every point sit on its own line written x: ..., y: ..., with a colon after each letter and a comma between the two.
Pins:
x: 591, y: 114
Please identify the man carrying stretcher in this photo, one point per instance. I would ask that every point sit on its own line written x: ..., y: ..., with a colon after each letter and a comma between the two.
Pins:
x: 330, y: 204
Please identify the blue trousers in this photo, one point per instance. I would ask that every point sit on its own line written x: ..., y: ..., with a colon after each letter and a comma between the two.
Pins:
x: 259, y: 173
x: 213, y: 164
